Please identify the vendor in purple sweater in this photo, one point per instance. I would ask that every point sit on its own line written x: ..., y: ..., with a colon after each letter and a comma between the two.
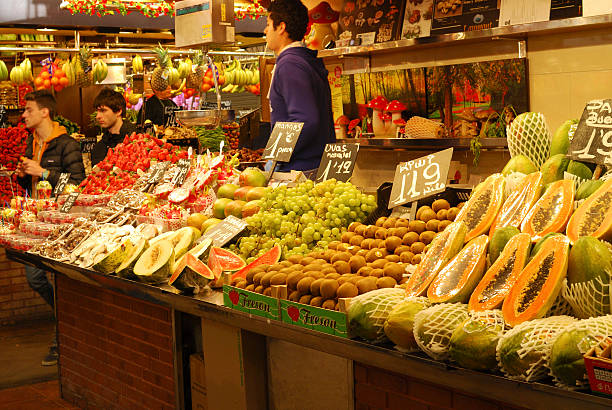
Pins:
x: 299, y: 91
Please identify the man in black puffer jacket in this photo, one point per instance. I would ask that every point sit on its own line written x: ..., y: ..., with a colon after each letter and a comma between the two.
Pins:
x: 49, y: 152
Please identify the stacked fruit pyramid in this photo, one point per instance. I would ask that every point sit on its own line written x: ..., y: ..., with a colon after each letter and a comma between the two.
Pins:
x: 519, y: 282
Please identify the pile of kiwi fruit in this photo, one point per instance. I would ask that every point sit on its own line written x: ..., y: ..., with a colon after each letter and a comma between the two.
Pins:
x: 367, y: 258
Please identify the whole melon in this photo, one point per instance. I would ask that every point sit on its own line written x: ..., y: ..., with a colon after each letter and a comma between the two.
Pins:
x: 579, y: 169
x: 519, y: 163
x: 399, y: 325
x: 588, y: 259
x: 561, y: 140
x: 587, y: 188
x: 553, y: 169
x: 473, y: 344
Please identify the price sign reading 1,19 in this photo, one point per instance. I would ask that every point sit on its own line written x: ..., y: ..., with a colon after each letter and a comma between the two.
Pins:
x: 420, y: 178
x: 338, y: 162
x: 592, y: 141
x: 282, y: 140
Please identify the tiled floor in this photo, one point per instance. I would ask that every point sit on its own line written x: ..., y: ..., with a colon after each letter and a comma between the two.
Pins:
x: 34, y: 396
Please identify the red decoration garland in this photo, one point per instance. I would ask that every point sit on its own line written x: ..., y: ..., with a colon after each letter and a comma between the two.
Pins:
x: 151, y: 9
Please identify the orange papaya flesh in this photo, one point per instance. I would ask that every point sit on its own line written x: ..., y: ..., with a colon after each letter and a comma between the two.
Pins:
x: 501, y: 276
x: 455, y: 282
x: 444, y: 246
x: 552, y: 211
x: 518, y: 203
x: 539, y: 283
x: 480, y: 210
x: 594, y: 216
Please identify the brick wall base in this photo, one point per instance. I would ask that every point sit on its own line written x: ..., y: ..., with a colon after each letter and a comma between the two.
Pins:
x: 18, y: 302
x: 379, y: 389
x: 115, y: 351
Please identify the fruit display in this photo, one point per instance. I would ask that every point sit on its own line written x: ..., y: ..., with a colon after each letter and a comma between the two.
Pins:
x: 241, y: 200
x: 246, y: 154
x: 232, y: 134
x: 12, y: 147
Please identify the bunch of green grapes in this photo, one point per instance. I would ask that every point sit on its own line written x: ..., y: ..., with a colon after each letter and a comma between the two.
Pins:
x: 304, y: 217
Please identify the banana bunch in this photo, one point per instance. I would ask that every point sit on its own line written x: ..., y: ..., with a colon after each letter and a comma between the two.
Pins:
x: 180, y: 88
x: 184, y: 68
x: 4, y: 74
x: 235, y: 74
x: 174, y: 78
x: 137, y: 65
x: 100, y: 71
x: 68, y: 70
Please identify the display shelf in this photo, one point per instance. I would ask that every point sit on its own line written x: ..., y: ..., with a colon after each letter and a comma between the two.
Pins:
x: 417, y: 365
x: 425, y: 144
x: 518, y: 31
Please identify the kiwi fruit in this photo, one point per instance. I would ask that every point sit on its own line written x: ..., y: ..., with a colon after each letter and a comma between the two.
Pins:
x: 370, y: 231
x: 362, y: 252
x: 443, y: 224
x: 385, y: 282
x: 303, y: 285
x: 345, y: 278
x: 365, y: 244
x: 315, y: 274
x: 426, y: 237
x: 354, y: 249
x: 356, y: 262
x: 257, y: 277
x: 378, y: 263
x: 332, y: 276
x: 329, y: 304
x: 427, y: 215
x: 294, y: 296
x: 333, y: 245
x: 347, y: 290
x: 394, y: 270
x: 307, y: 260
x: 295, y: 258
x: 259, y: 289
x: 328, y: 288
x: 328, y: 254
x: 402, y: 223
x: 325, y: 270
x: 341, y: 256
x: 439, y: 204
x: 392, y: 242
x: 241, y: 284
x: 342, y: 267
x: 365, y: 271
x: 389, y: 223
x: 432, y: 225
x: 293, y: 279
x: 360, y: 230
x: 316, y: 286
x: 346, y: 236
x: 366, y: 285
x: 235, y: 280
x: 267, y: 292
x: 312, y: 267
x: 380, y: 243
x: 278, y: 279
x: 417, y: 247
x: 441, y: 214
x: 401, y: 231
x: 305, y: 299
x: 250, y: 288
x: 410, y: 238
x: 355, y: 240
x: 343, y: 247
x: 353, y: 226
x: 417, y: 226
x: 375, y: 254
x: 316, y: 301
x: 380, y: 221
x: 404, y: 280
x: 381, y: 233
x: 416, y: 259
x: 392, y: 258
x: 452, y: 213
x: 377, y: 273
x: 406, y: 257
x: 421, y: 210
x: 401, y: 249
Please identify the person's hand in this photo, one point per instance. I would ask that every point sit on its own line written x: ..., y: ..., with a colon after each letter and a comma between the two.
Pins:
x: 20, y: 170
x: 31, y: 167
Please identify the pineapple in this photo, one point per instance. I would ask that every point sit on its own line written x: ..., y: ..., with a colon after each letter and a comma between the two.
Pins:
x: 159, y: 77
x: 194, y: 80
x: 83, y: 67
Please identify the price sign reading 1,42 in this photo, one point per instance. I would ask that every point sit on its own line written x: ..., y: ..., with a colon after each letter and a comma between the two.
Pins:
x: 338, y: 162
x: 420, y: 178
x: 592, y: 141
x: 282, y: 140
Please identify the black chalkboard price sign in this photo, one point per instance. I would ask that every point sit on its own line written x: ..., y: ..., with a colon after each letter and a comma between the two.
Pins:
x: 183, y: 169
x: 61, y: 184
x: 282, y: 141
x: 337, y: 162
x: 420, y: 178
x: 70, y: 200
x: 225, y: 231
x: 592, y: 141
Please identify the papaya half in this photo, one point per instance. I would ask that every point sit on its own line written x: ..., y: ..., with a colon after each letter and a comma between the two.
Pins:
x: 552, y: 211
x: 594, y: 216
x: 480, y: 210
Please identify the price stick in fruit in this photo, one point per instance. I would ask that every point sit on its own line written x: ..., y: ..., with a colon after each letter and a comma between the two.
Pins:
x: 338, y: 162
x: 61, y: 184
x: 70, y: 200
x: 225, y: 231
x: 183, y: 169
x: 592, y: 141
x: 420, y: 178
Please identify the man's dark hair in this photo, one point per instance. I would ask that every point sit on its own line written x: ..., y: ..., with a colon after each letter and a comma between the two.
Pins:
x: 44, y: 99
x: 291, y: 12
x: 111, y: 99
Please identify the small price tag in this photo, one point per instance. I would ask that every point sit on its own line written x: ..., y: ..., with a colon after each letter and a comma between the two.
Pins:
x: 420, y: 178
x: 87, y: 145
x: 592, y: 141
x: 70, y: 200
x: 212, y: 105
x: 282, y: 141
x: 225, y: 231
x: 61, y: 184
x: 183, y: 166
x: 157, y: 173
x: 338, y: 162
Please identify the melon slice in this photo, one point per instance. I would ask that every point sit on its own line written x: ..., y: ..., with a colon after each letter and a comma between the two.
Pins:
x: 155, y: 263
x: 444, y: 246
x: 539, y: 284
x: 269, y: 258
x: 552, y: 211
x: 126, y: 269
x: 481, y: 209
x: 168, y: 236
x: 198, y: 251
x: 191, y: 275
x: 221, y: 260
x: 518, y: 203
x: 501, y: 276
x: 594, y: 216
x: 107, y: 264
x: 458, y: 278
x: 182, y: 241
